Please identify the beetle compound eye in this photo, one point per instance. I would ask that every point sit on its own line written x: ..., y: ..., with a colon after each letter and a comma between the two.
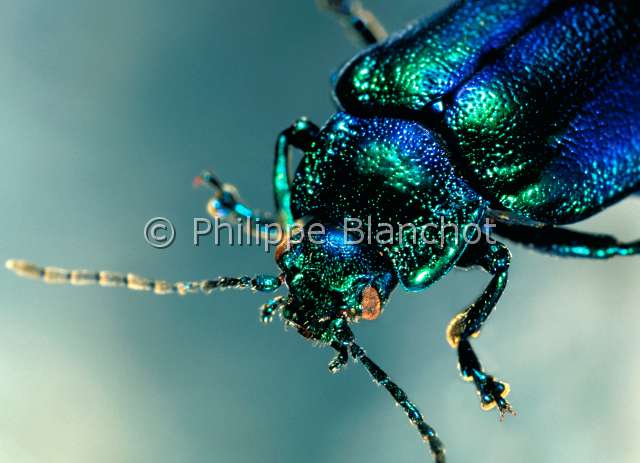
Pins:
x: 370, y: 303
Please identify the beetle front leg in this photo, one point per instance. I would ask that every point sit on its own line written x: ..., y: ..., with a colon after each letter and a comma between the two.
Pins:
x: 226, y: 203
x: 299, y: 135
x: 357, y: 19
x: 495, y: 259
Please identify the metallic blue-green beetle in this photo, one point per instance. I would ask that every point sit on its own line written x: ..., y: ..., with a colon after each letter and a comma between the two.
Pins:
x: 520, y: 115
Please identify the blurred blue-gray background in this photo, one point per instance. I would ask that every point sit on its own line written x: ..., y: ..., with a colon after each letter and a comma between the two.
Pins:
x: 108, y: 110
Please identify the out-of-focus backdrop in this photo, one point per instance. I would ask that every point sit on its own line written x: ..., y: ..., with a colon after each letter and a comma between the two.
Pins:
x: 108, y: 111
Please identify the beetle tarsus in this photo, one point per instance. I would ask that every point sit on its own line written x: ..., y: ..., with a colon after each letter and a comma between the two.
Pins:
x: 226, y: 204
x: 492, y: 393
x: 493, y: 258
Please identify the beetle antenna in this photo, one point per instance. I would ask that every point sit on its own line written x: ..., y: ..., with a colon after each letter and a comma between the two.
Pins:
x: 379, y: 376
x: 54, y: 275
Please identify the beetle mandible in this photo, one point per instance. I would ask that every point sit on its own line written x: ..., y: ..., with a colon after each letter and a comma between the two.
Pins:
x: 525, y: 114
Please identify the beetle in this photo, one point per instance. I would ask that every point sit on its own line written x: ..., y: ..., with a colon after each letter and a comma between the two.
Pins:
x: 525, y: 115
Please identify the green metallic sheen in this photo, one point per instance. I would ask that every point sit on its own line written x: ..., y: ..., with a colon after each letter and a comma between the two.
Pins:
x: 297, y: 135
x: 387, y: 171
x: 326, y: 275
x: 419, y: 66
x: 539, y: 102
x: 281, y: 181
x: 525, y: 140
x: 526, y: 113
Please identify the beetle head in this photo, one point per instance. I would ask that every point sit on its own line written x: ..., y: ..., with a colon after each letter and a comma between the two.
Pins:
x: 331, y: 276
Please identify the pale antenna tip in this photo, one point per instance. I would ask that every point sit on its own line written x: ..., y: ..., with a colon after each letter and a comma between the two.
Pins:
x: 23, y: 268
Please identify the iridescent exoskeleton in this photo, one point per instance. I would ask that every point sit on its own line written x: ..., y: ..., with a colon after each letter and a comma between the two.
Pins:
x: 516, y: 115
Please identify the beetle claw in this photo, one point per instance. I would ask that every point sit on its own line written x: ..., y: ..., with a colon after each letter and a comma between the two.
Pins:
x: 493, y: 395
x: 506, y: 408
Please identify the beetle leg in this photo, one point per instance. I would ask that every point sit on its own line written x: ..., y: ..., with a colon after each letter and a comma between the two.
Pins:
x: 567, y: 243
x: 356, y: 19
x: 299, y: 135
x: 492, y: 393
x: 495, y: 259
x: 227, y: 205
x: 344, y: 339
x: 427, y: 433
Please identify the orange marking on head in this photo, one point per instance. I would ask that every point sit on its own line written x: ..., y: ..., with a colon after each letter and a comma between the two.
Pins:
x: 370, y: 304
